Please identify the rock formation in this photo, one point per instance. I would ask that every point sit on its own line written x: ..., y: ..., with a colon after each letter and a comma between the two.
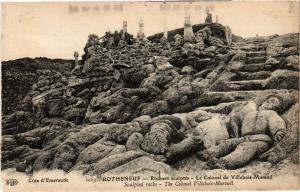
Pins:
x: 130, y: 101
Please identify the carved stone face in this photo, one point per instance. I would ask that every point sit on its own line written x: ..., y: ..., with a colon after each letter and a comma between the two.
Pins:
x: 68, y: 93
x: 125, y: 26
x: 106, y: 86
x: 187, y: 22
x: 198, y: 38
x: 272, y: 103
x: 76, y: 54
x: 178, y: 39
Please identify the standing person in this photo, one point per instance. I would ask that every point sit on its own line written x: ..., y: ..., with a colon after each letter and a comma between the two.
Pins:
x: 208, y: 18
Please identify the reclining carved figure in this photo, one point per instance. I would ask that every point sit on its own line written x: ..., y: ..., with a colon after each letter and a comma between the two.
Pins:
x: 259, y: 128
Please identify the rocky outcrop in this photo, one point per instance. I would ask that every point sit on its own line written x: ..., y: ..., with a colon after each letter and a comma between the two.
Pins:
x: 133, y: 103
x: 19, y: 75
x: 217, y: 29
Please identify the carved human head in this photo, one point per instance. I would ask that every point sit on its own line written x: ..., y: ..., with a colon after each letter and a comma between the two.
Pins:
x: 273, y: 102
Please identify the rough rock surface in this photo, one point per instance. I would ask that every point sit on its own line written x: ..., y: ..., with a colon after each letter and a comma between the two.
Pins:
x: 140, y: 106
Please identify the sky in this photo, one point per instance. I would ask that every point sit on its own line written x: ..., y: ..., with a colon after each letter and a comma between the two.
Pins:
x: 57, y: 29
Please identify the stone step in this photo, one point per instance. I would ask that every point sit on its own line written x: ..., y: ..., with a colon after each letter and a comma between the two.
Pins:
x: 253, y: 48
x: 251, y: 76
x: 256, y: 53
x: 216, y: 97
x: 257, y: 67
x: 223, y: 108
x: 244, y: 85
x: 251, y: 60
x: 256, y: 41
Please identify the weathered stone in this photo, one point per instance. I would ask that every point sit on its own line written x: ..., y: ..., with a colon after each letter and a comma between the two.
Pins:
x: 184, y: 148
x: 114, y: 161
x: 8, y: 142
x: 188, y: 70
x: 284, y: 45
x: 283, y: 79
x: 212, y: 131
x: 239, y: 56
x: 55, y: 107
x: 141, y: 166
x: 134, y: 141
x: 156, y: 108
x: 291, y: 140
x: 95, y: 152
x: 157, y: 140
x: 43, y: 161
x: 211, y: 49
x: 188, y: 34
x: 293, y: 62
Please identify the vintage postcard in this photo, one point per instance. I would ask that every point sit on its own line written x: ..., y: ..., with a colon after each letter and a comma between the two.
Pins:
x: 150, y: 96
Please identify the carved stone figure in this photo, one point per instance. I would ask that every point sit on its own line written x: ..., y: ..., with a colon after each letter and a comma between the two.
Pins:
x: 260, y: 128
x: 141, y: 34
x: 77, y: 67
x: 228, y: 35
x: 75, y: 108
x: 178, y: 40
x: 188, y: 34
x: 124, y: 30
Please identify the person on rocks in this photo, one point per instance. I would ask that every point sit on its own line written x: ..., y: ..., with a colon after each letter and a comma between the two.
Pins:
x: 208, y: 18
x: 256, y: 129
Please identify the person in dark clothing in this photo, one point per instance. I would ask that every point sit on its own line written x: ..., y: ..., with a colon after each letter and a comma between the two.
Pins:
x: 208, y: 18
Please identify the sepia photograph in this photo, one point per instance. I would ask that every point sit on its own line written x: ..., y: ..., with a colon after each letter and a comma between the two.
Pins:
x: 150, y: 96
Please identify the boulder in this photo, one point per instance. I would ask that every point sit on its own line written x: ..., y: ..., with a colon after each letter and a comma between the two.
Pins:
x: 284, y: 45
x: 157, y: 140
x: 55, y: 107
x: 211, y: 131
x: 134, y: 141
x: 95, y: 152
x: 141, y: 166
x: 188, y: 70
x: 293, y: 62
x: 192, y: 119
x: 114, y: 161
x: 43, y: 161
x: 283, y: 79
x: 184, y: 148
x: 239, y: 56
x: 290, y: 142
x: 8, y: 142
x: 156, y: 108
x: 121, y: 132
